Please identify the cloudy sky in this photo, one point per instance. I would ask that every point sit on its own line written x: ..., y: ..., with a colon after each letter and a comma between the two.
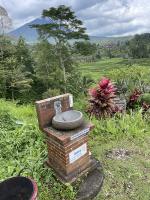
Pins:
x: 101, y: 17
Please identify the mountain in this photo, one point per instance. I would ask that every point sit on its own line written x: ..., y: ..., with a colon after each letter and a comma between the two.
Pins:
x: 31, y: 35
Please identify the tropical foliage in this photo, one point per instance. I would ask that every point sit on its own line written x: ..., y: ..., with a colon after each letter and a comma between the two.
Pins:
x: 101, y: 100
x: 31, y: 72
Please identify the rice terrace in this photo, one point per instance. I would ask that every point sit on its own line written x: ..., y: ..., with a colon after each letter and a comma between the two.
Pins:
x: 74, y: 100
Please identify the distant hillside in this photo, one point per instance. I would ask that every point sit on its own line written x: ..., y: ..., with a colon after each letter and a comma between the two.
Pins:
x: 31, y: 35
x: 106, y: 40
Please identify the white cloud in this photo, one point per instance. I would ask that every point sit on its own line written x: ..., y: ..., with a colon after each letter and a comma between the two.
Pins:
x: 101, y: 17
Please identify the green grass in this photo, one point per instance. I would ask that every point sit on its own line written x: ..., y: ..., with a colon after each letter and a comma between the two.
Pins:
x: 22, y: 146
x: 129, y: 177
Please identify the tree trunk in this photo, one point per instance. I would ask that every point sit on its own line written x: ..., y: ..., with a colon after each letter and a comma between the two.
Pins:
x: 61, y: 61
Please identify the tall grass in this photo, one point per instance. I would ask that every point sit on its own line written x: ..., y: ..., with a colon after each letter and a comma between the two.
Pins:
x: 22, y: 147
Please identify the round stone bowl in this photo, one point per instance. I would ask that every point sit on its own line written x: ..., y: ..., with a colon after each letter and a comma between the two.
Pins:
x: 67, y: 120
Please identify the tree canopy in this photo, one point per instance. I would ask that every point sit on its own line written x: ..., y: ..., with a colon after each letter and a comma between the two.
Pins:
x: 62, y: 24
x: 139, y: 46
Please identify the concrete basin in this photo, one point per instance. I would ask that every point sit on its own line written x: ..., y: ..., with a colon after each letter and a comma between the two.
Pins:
x: 67, y: 120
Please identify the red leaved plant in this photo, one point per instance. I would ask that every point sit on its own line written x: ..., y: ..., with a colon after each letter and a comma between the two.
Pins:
x: 134, y: 99
x: 102, y: 99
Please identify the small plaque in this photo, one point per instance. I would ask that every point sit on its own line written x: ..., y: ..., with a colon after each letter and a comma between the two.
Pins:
x: 79, y: 134
x: 78, y: 153
x: 71, y: 100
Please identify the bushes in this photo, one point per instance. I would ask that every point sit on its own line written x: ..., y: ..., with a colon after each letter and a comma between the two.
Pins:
x: 127, y: 78
x: 134, y: 99
x: 139, y: 100
x: 51, y: 93
x: 6, y: 122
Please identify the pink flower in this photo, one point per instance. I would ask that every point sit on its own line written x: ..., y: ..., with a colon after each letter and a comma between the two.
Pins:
x: 104, y: 83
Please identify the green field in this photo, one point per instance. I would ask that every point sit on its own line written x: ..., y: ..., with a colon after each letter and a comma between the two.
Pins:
x: 120, y: 143
x: 103, y: 67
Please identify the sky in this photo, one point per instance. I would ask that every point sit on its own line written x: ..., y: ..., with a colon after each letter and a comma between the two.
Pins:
x: 100, y: 17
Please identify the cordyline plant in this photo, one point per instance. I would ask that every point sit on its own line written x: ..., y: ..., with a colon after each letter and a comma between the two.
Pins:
x: 101, y: 100
x: 137, y: 99
x: 134, y: 99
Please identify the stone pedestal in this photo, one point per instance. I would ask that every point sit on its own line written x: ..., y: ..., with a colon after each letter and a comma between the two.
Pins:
x: 68, y: 152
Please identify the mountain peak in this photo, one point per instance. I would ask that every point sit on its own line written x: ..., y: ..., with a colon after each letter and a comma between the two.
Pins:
x: 30, y: 34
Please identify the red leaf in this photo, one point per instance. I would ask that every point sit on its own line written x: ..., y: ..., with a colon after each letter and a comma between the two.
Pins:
x: 104, y: 83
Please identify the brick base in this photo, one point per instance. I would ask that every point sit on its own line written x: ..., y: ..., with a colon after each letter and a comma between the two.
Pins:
x: 73, y: 176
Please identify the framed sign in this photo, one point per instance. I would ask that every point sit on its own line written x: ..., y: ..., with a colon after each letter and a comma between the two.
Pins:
x: 77, y: 153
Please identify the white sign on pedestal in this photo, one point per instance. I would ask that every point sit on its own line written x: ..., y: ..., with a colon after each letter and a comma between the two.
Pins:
x: 77, y: 153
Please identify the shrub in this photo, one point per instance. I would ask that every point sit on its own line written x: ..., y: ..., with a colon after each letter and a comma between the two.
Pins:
x: 51, y: 93
x: 137, y: 99
x: 145, y: 100
x: 134, y: 99
x: 127, y: 78
x: 6, y: 122
x: 102, y: 99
